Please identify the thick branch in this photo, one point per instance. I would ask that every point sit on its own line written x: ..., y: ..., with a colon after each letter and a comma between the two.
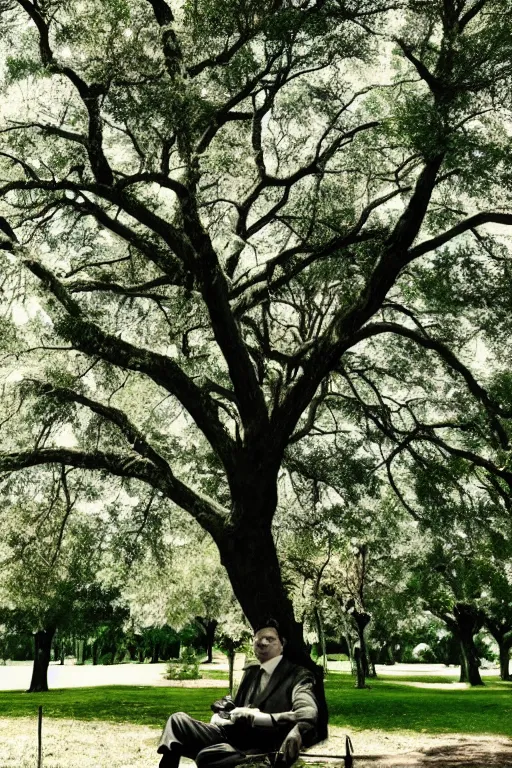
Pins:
x: 89, y: 94
x: 470, y: 456
x: 493, y: 408
x: 206, y: 511
x: 423, y: 71
x: 214, y: 290
x: 487, y: 217
x: 337, y: 339
x: 92, y: 340
x: 134, y: 436
x: 173, y: 237
x: 170, y: 43
x: 471, y: 13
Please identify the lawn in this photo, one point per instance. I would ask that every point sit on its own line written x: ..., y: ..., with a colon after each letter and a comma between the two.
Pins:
x: 121, y: 704
x: 214, y: 674
x: 390, y: 706
x: 387, y: 705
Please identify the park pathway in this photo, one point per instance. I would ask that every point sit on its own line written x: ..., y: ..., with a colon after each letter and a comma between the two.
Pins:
x: 16, y: 677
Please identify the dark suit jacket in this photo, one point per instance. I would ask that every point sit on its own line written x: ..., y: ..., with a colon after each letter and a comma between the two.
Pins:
x: 288, y: 697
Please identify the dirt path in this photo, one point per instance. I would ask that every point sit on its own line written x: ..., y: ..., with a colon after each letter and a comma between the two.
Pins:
x: 74, y: 744
x: 16, y: 677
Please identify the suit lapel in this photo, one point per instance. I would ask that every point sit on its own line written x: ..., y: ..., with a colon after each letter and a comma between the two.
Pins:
x: 246, y: 684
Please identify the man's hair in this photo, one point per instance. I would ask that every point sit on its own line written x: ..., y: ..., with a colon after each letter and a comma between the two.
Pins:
x: 273, y: 624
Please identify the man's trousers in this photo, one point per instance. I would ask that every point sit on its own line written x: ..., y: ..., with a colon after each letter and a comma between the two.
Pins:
x: 209, y: 745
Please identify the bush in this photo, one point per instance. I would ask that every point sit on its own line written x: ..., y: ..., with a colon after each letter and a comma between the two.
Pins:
x: 186, y: 668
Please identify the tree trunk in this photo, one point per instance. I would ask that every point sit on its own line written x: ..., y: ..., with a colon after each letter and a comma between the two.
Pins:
x: 502, y: 633
x: 350, y: 645
x: 231, y: 666
x: 155, y: 655
x: 361, y: 619
x: 210, y: 627
x: 255, y: 574
x: 390, y: 655
x: 321, y: 636
x: 42, y: 649
x: 505, y: 660
x: 360, y: 668
x: 248, y: 553
x: 79, y: 652
x: 470, y: 662
x: 469, y: 622
x: 370, y: 655
x: 132, y: 651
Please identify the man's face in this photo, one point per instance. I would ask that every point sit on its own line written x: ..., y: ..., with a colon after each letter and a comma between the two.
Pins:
x: 267, y: 644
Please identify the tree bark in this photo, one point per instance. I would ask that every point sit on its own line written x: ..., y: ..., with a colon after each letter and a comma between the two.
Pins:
x: 371, y: 663
x: 209, y: 626
x: 469, y: 621
x: 248, y: 553
x: 231, y: 667
x: 360, y: 619
x: 255, y: 576
x: 390, y: 655
x: 502, y: 633
x: 360, y: 668
x: 42, y: 648
x: 155, y: 653
x: 321, y: 636
x: 79, y: 651
x: 505, y: 660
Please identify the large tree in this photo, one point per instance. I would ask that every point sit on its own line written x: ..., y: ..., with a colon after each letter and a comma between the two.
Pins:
x: 181, y: 181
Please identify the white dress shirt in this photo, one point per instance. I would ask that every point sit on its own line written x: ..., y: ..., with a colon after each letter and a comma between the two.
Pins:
x: 268, y: 668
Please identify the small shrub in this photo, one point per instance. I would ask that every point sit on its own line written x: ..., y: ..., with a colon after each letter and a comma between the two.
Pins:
x: 337, y: 657
x: 186, y: 668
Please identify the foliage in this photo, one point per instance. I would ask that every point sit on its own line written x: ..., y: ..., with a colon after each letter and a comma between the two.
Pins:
x: 232, y: 244
x: 186, y: 668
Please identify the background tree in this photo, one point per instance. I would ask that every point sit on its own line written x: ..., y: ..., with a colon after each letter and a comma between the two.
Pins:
x: 188, y: 586
x: 49, y: 565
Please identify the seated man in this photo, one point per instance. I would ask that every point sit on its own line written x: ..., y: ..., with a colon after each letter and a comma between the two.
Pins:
x: 275, y: 710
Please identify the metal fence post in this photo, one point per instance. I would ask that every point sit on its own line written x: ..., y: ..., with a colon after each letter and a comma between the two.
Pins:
x: 40, y: 738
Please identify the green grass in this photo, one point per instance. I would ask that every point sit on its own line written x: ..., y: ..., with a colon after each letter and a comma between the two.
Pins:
x: 121, y: 704
x: 214, y: 674
x: 388, y: 705
x: 391, y: 706
x: 421, y: 678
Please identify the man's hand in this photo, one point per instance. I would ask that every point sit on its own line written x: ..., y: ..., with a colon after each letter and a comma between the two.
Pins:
x: 290, y: 747
x: 216, y: 719
x: 244, y: 715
